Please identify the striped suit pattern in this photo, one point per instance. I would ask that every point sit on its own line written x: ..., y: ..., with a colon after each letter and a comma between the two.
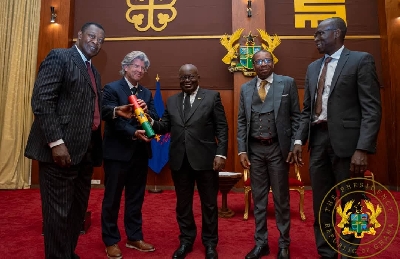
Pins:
x: 63, y: 104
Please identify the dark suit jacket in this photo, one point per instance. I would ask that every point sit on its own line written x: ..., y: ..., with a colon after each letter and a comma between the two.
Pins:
x: 202, y: 136
x: 63, y: 104
x: 354, y: 103
x: 286, y: 110
x: 118, y: 132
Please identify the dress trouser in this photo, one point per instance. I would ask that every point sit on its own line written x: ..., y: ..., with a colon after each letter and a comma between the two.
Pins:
x: 269, y: 170
x: 327, y: 170
x: 131, y: 175
x: 65, y: 195
x: 207, y: 185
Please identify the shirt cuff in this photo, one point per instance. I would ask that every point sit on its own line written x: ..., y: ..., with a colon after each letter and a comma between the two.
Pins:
x: 242, y: 153
x: 114, y: 115
x: 224, y: 157
x: 56, y: 143
x: 298, y: 142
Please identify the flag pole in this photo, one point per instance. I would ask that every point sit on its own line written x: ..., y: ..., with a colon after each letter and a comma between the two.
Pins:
x: 155, y: 189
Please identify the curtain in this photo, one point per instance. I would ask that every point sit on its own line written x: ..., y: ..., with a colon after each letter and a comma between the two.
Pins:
x: 19, y: 34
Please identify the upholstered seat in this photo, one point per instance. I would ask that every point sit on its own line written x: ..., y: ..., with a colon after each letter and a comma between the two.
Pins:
x: 295, y: 184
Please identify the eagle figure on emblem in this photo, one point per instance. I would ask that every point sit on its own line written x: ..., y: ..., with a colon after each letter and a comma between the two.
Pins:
x: 345, y: 213
x: 228, y: 42
x: 272, y: 42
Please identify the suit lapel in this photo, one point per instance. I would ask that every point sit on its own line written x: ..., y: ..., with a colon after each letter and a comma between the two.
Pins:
x: 125, y: 87
x: 197, y: 100
x: 76, y: 57
x: 342, y: 61
x: 277, y: 86
x: 248, y: 95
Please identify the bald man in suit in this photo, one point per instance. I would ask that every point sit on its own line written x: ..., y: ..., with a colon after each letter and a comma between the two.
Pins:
x: 196, y: 120
x: 340, y: 119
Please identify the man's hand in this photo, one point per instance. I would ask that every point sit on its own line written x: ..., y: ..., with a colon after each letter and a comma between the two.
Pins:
x: 297, y: 154
x: 141, y: 134
x: 244, y: 161
x: 359, y: 163
x: 219, y: 163
x: 290, y: 158
x: 149, y: 118
x: 142, y: 105
x: 125, y: 111
x: 61, y: 156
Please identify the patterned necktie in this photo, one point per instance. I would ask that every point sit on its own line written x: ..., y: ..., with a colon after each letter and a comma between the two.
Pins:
x: 261, y: 91
x: 186, y: 106
x: 96, y: 116
x: 321, y: 85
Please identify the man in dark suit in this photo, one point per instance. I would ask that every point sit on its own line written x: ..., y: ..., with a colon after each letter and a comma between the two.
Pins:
x: 268, y: 117
x: 66, y: 138
x: 199, y: 142
x: 341, y: 119
x: 126, y: 154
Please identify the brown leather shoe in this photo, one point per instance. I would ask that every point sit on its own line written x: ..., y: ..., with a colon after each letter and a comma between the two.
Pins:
x: 113, y: 252
x: 140, y: 245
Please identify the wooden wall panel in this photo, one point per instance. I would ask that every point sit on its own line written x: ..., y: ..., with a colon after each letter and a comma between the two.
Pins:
x: 166, y: 57
x: 389, y: 24
x: 385, y: 164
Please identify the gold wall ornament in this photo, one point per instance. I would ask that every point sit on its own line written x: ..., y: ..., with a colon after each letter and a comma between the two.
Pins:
x: 228, y: 42
x: 272, y: 43
x: 239, y: 57
x: 163, y: 18
x: 316, y: 11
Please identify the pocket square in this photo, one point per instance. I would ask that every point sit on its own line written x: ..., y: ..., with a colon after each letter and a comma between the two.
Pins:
x: 284, y: 95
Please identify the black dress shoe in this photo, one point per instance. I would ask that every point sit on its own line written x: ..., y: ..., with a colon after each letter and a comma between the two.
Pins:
x: 283, y: 253
x: 211, y: 253
x: 182, y: 251
x: 257, y: 252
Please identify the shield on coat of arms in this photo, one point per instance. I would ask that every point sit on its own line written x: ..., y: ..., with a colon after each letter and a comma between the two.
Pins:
x: 246, y: 54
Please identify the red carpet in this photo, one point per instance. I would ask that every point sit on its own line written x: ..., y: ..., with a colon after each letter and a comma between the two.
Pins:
x: 20, y: 228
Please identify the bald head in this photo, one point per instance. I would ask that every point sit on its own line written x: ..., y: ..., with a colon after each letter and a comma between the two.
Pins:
x: 188, y: 78
x: 188, y: 67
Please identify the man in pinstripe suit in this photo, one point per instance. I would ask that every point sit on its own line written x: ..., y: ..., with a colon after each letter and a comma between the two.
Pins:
x: 66, y: 138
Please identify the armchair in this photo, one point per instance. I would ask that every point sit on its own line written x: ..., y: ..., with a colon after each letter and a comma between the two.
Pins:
x: 295, y: 184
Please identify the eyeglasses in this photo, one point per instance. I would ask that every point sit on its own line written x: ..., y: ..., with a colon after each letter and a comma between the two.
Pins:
x: 322, y: 32
x: 259, y: 62
x: 137, y: 66
x: 190, y: 77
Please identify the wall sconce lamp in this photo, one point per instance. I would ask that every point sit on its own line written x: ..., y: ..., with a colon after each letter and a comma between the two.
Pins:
x: 249, y: 8
x: 53, y: 15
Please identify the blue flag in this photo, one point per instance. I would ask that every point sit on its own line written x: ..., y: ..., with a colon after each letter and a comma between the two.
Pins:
x: 160, y: 143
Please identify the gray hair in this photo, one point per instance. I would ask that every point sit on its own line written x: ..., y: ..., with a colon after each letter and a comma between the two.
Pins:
x: 130, y: 57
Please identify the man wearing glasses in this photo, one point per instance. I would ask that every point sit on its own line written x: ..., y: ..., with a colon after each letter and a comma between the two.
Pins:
x: 199, y: 143
x: 340, y: 119
x: 268, y: 118
x: 126, y: 151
